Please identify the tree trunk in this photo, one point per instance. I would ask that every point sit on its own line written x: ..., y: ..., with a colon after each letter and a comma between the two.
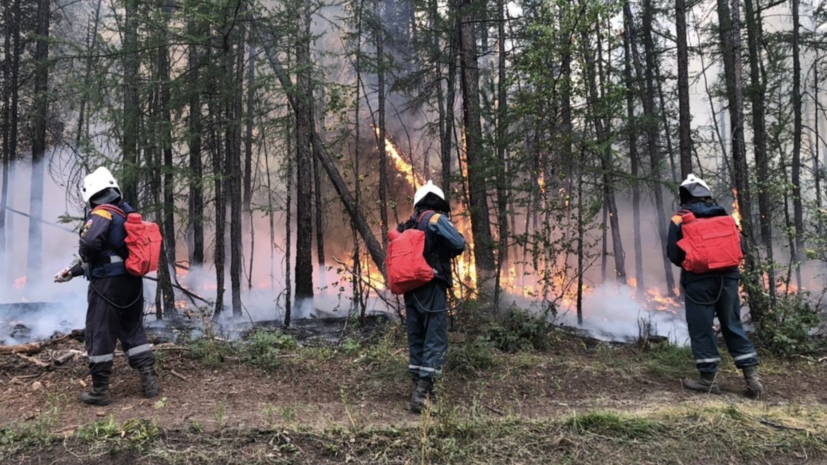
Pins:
x: 131, y: 104
x: 635, y: 163
x: 450, y: 98
x: 304, y: 165
x: 379, y: 38
x: 374, y: 248
x: 219, y: 256
x: 248, y: 139
x: 684, y: 112
x: 166, y: 137
x: 648, y: 96
x: 759, y: 137
x: 730, y: 43
x: 667, y: 129
x: 234, y: 86
x: 196, y: 194
x: 8, y: 53
x: 502, y: 132
x: 798, y: 210
x: 288, y: 241
x: 41, y: 110
x: 91, y: 49
x: 606, y: 164
x: 319, y: 205
x: 475, y: 154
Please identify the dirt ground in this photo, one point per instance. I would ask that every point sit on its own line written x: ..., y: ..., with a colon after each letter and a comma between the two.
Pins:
x: 337, y: 392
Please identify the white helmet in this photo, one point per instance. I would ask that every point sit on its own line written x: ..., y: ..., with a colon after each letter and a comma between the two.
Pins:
x: 428, y: 188
x: 96, y: 182
x: 693, y: 186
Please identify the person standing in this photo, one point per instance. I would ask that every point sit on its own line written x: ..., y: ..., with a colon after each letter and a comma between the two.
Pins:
x: 426, y: 307
x: 115, y: 298
x: 705, y: 242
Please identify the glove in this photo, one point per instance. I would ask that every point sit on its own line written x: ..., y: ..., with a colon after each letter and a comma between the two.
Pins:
x: 64, y: 276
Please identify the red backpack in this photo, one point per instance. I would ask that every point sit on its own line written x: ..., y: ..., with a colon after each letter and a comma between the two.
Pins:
x: 406, y: 265
x: 710, y: 244
x: 143, y: 242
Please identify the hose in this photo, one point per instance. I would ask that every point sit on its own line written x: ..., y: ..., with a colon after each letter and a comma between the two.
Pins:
x: 720, y: 293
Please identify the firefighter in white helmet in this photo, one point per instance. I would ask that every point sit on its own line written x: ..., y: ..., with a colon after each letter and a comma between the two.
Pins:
x: 426, y: 308
x: 705, y: 242
x: 115, y: 298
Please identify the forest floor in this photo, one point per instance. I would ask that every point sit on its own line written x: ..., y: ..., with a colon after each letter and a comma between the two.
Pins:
x: 580, y: 401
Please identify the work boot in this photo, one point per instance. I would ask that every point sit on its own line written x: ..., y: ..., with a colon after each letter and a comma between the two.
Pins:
x: 99, y: 394
x: 707, y: 382
x: 754, y: 386
x: 424, y: 388
x: 149, y: 381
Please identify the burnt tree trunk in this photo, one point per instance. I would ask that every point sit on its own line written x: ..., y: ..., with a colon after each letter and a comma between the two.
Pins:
x: 304, y: 164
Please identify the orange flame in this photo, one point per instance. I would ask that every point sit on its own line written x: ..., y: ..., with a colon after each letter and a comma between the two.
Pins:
x: 407, y: 169
x: 736, y: 210
x: 20, y: 282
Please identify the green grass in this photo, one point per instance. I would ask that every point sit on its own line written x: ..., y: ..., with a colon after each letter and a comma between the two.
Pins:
x: 615, y: 425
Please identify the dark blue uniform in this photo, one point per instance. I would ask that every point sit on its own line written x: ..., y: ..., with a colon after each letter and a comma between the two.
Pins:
x: 427, y: 307
x: 709, y: 295
x: 115, y: 298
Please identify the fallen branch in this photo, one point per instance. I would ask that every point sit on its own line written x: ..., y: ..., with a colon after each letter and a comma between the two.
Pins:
x: 65, y: 358
x: 181, y: 288
x: 32, y: 360
x: 169, y: 346
x: 178, y: 375
x: 31, y: 348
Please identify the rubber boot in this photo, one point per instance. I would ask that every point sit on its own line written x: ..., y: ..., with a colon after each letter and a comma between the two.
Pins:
x: 707, y: 382
x: 149, y: 381
x: 99, y: 394
x: 424, y: 387
x: 753, y: 381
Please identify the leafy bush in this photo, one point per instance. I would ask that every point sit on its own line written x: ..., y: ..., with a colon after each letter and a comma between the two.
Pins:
x: 265, y: 348
x: 788, y: 331
x: 470, y: 357
x: 521, y: 330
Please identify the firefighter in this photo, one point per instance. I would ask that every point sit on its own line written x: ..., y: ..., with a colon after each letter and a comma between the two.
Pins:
x: 115, y: 298
x: 427, y: 306
x: 710, y: 294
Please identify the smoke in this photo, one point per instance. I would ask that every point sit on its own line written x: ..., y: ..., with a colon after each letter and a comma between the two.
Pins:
x: 612, y: 313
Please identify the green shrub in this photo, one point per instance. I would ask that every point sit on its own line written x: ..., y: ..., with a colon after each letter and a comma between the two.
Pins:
x: 521, y: 330
x: 264, y: 348
x: 787, y: 331
x: 470, y: 357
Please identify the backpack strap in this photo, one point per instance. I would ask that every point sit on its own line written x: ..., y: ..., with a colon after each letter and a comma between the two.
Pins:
x: 108, y: 209
x: 422, y: 216
x: 678, y: 218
